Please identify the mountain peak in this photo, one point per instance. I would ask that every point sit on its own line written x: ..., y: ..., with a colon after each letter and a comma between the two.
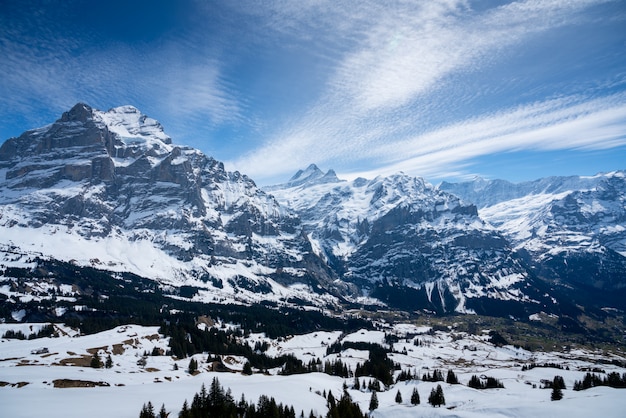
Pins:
x: 311, y: 172
x: 79, y: 112
x: 309, y: 176
x: 129, y: 123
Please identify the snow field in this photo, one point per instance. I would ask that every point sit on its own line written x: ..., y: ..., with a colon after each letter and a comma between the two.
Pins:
x: 131, y: 385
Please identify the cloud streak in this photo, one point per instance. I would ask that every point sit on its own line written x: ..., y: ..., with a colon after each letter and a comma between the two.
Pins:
x: 376, y: 109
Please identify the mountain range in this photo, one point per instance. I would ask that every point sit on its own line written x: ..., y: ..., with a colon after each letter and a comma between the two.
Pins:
x: 111, y: 191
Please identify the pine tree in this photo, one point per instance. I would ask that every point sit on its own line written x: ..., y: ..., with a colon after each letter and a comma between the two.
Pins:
x: 451, y: 378
x: 557, y: 393
x: 147, y: 411
x: 95, y: 361
x: 398, y: 397
x: 247, y: 369
x: 184, y: 413
x: 109, y: 362
x: 163, y: 413
x: 436, y: 397
x: 357, y: 384
x: 558, y: 384
x: 475, y: 382
x: 415, y: 397
x: 373, y: 401
x: 331, y: 400
x: 193, y: 366
x: 440, y: 397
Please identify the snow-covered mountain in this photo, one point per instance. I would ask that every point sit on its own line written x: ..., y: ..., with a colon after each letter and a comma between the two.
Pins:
x: 570, y: 230
x: 408, y: 243
x: 111, y: 190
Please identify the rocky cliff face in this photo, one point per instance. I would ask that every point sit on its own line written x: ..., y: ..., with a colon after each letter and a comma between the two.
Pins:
x: 115, y: 178
x: 569, y: 230
x: 408, y: 243
x: 111, y: 190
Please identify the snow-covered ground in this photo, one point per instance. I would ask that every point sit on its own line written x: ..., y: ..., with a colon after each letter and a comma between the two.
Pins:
x: 28, y: 373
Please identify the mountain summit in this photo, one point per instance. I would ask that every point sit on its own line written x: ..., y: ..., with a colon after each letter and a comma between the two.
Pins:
x: 111, y: 190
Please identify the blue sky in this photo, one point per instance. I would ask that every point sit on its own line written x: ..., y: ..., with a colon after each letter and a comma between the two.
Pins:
x: 440, y: 89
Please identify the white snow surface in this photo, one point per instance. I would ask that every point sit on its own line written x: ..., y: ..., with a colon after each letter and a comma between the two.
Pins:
x: 28, y: 389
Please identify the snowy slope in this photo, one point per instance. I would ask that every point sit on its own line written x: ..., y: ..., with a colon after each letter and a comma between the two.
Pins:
x: 395, y: 232
x: 28, y: 378
x: 560, y: 221
x: 111, y: 190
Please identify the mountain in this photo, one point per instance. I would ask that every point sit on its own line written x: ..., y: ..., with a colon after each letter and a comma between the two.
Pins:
x: 411, y: 245
x: 110, y: 190
x: 102, y: 207
x: 570, y: 230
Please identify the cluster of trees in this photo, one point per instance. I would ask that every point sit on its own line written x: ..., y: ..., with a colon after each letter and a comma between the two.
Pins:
x: 546, y: 365
x: 344, y: 408
x: 132, y: 299
x: 485, y: 383
x: 590, y: 380
x: 96, y: 363
x: 436, y: 397
x: 437, y: 376
x: 219, y: 403
x: 378, y: 365
x: 45, y: 331
x: 557, y: 385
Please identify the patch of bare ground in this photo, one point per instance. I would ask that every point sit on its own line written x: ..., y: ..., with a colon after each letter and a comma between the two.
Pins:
x: 118, y: 349
x: 71, y: 383
x: 27, y: 363
x: 153, y: 337
x: 15, y: 385
x: 95, y: 350
x: 151, y: 369
x: 82, y: 361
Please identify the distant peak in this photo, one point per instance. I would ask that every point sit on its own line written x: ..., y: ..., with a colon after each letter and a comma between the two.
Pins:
x: 311, y: 172
x: 80, y: 112
x: 124, y: 109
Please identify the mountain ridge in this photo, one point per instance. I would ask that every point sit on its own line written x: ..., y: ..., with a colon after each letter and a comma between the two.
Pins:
x: 111, y: 190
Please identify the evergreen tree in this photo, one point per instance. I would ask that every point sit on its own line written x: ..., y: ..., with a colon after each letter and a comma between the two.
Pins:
x: 184, y: 412
x: 558, y: 382
x: 95, y: 361
x: 247, y: 368
x: 475, y: 382
x: 415, y: 397
x: 557, y: 393
x: 357, y: 384
x: 451, y: 378
x: 373, y: 401
x: 147, y: 411
x: 163, y: 413
x: 109, y: 362
x: 193, y: 366
x: 436, y: 397
x: 330, y: 400
x: 398, y: 397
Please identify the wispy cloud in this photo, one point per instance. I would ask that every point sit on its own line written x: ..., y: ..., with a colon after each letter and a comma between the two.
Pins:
x: 178, y: 77
x: 375, y: 109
